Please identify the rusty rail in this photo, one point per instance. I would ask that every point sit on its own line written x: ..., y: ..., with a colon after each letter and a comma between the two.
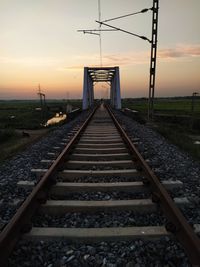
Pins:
x: 21, y: 221
x: 177, y: 222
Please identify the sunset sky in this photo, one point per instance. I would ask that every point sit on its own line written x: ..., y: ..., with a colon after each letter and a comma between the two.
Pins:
x: 39, y: 43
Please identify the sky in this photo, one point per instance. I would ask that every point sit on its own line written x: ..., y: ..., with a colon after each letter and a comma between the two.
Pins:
x: 39, y: 44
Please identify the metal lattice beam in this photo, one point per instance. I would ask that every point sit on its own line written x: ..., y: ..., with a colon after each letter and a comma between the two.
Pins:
x: 101, y: 74
x: 153, y: 59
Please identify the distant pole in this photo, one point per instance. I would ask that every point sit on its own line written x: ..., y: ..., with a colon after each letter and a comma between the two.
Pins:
x: 192, y: 108
x: 193, y: 101
x: 40, y: 95
x: 42, y: 104
x: 153, y: 59
x: 44, y: 99
x: 44, y: 108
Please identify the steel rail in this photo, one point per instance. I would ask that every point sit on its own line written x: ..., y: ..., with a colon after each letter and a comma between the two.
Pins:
x: 178, y: 225
x: 21, y: 221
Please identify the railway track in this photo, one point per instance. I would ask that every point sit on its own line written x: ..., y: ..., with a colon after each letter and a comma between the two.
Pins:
x: 103, y: 162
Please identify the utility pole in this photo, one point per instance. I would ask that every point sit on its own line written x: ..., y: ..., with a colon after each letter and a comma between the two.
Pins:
x: 153, y: 59
x: 192, y: 109
x: 45, y: 108
x: 40, y: 95
x: 193, y: 101
x: 42, y: 104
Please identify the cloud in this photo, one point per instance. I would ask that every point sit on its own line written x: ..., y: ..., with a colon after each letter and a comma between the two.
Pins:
x: 109, y: 60
x: 181, y: 51
x: 142, y: 57
x: 128, y: 59
x: 132, y: 58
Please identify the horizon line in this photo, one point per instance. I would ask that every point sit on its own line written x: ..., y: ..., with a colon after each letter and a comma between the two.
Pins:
x: 65, y: 99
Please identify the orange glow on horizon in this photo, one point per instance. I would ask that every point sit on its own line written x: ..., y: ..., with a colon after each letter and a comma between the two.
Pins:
x: 40, y: 45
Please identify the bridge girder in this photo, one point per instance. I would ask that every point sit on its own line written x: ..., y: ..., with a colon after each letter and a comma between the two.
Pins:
x: 101, y: 74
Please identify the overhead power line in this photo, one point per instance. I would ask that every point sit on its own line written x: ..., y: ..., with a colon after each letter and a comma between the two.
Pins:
x: 97, y: 30
x: 94, y: 31
x: 89, y: 32
x: 100, y: 43
x: 122, y: 30
x: 127, y: 15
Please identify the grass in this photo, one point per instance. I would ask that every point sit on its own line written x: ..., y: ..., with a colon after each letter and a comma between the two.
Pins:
x: 179, y: 132
x: 10, y: 142
x: 9, y: 148
x: 180, y: 137
x: 15, y: 142
x: 7, y: 134
x: 22, y: 114
x: 178, y: 106
x: 26, y: 117
x: 16, y: 115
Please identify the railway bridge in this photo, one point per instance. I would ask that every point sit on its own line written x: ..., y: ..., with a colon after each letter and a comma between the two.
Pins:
x: 101, y: 74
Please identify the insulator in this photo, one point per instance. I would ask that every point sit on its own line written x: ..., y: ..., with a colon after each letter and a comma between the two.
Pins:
x: 144, y: 10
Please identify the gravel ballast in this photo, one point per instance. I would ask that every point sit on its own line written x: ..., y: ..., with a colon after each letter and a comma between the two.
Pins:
x: 168, y: 162
x: 165, y: 253
x: 100, y: 219
x: 19, y: 168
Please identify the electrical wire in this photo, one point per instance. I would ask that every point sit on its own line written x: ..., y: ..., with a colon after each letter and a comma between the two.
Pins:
x: 90, y: 32
x: 131, y: 14
x: 97, y: 30
x: 119, y: 29
x: 100, y: 43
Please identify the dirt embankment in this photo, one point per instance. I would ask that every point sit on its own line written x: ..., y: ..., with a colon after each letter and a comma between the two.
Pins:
x: 20, y: 141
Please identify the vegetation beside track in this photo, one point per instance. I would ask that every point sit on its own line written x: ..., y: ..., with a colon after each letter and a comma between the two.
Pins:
x: 180, y: 136
x: 13, y: 141
x: 17, y: 116
x: 23, y: 114
x: 177, y: 122
x: 173, y: 105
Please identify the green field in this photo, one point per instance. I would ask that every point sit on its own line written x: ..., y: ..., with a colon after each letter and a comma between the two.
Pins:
x: 22, y: 114
x: 178, y: 106
x: 19, y: 115
x: 176, y: 121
